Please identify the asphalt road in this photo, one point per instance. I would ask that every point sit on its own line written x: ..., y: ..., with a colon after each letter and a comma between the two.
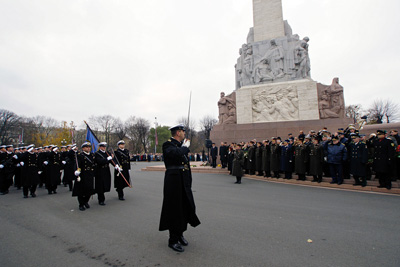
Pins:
x: 253, y: 224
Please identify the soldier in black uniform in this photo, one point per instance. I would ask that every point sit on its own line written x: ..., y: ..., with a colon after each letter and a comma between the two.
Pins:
x: 384, y: 151
x: 358, y: 154
x: 53, y: 177
x: 266, y: 159
x: 178, y: 208
x: 238, y: 163
x: 85, y: 170
x: 103, y: 174
x: 29, y: 171
x: 123, y: 166
x: 275, y: 154
x: 251, y: 156
x: 69, y: 170
x: 214, y: 154
x: 8, y: 162
x: 316, y: 156
x: 223, y: 153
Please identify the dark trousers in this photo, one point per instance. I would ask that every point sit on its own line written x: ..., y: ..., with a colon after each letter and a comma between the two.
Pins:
x: 174, y: 237
x: 238, y: 179
x: 120, y: 192
x: 51, y: 188
x: 288, y: 175
x: 384, y: 179
x: 101, y: 197
x: 276, y: 174
x: 214, y: 162
x: 5, y: 181
x: 337, y: 173
x: 317, y: 178
x: 31, y: 188
x: 302, y: 176
x: 83, y: 199
x: 223, y: 162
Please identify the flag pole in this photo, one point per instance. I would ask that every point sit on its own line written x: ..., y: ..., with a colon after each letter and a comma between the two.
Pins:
x: 188, y: 120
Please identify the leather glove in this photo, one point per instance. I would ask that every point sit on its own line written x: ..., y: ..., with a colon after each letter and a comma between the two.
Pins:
x: 22, y: 163
x: 78, y: 179
x: 45, y: 162
x: 15, y: 157
x: 77, y: 173
x: 186, y: 143
x: 64, y: 162
x: 109, y: 158
x: 1, y: 166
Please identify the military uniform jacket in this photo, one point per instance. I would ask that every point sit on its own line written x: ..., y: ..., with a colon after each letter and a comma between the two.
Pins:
x: 316, y: 156
x: 9, y: 162
x: 259, y: 162
x: 275, y: 156
x: 238, y: 163
x: 358, y: 155
x: 29, y: 172
x: 87, y: 164
x: 69, y: 169
x: 178, y: 208
x: 53, y: 169
x: 265, y: 157
x: 384, y: 151
x: 286, y: 162
x: 301, y: 159
x: 123, y: 159
x: 103, y: 173
x: 252, y: 158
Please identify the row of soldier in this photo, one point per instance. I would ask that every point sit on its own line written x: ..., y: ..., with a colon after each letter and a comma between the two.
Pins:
x: 337, y: 155
x: 85, y: 173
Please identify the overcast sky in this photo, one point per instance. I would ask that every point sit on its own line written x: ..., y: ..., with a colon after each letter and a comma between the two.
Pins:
x: 70, y: 59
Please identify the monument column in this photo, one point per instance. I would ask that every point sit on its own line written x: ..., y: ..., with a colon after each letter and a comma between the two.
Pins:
x: 267, y: 19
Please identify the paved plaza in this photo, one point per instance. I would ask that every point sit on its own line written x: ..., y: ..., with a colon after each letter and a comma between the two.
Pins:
x: 257, y: 223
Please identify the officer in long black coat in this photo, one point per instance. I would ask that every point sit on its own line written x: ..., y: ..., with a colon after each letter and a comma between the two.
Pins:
x: 29, y: 171
x: 251, y: 157
x: 275, y: 155
x: 69, y: 170
x: 223, y: 154
x: 53, y: 177
x: 8, y: 162
x: 178, y: 208
x: 316, y: 160
x: 85, y: 170
x: 124, y: 165
x: 238, y: 163
x: 103, y: 173
x: 300, y: 160
x: 384, y: 151
x: 358, y: 154
x: 266, y: 158
x: 214, y: 154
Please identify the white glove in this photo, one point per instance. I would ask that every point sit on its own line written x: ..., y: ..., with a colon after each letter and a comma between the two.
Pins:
x: 15, y: 157
x: 18, y: 165
x: 22, y: 163
x: 77, y: 173
x: 186, y: 143
x: 39, y: 172
x: 1, y: 166
x: 78, y: 179
x: 45, y: 162
x: 109, y: 158
x: 64, y: 162
x: 326, y: 158
x: 117, y: 168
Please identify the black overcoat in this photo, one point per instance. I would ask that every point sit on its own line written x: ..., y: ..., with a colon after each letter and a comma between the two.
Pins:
x: 286, y: 158
x: 358, y: 154
x: 123, y: 159
x: 29, y: 172
x: 87, y: 164
x: 252, y: 158
x: 384, y: 151
x: 300, y: 159
x: 178, y: 208
x: 274, y: 157
x: 53, y: 175
x: 103, y: 173
x: 238, y: 163
x: 266, y: 158
x: 316, y: 156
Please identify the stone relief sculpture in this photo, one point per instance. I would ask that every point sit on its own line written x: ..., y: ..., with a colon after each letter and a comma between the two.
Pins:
x: 227, y: 109
x: 331, y: 100
x: 280, y: 104
x: 282, y: 59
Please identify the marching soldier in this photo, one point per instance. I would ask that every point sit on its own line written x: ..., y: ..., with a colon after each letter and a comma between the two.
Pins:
x: 30, y: 171
x: 17, y: 170
x: 121, y: 173
x: 384, y: 151
x: 103, y: 174
x: 69, y: 158
x: 85, y: 169
x: 53, y: 177
x: 42, y: 157
x: 178, y: 208
x: 358, y: 154
x: 8, y: 162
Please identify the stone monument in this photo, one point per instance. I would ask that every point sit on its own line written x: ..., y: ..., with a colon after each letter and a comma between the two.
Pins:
x: 274, y: 93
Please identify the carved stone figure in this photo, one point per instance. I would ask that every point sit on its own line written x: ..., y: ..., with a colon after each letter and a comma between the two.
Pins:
x: 331, y: 100
x: 274, y: 58
x: 246, y: 75
x: 227, y: 109
x: 301, y: 59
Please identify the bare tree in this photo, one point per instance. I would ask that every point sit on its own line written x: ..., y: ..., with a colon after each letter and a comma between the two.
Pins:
x: 8, y: 122
x: 45, y: 129
x: 377, y: 111
x: 190, y: 127
x: 391, y: 110
x: 138, y: 130
x: 105, y: 124
x: 207, y: 123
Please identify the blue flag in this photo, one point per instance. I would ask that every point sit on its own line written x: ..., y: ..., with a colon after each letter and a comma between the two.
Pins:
x: 92, y: 139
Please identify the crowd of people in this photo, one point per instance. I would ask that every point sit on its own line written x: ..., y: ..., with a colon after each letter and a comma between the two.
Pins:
x: 84, y: 172
x: 339, y: 155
